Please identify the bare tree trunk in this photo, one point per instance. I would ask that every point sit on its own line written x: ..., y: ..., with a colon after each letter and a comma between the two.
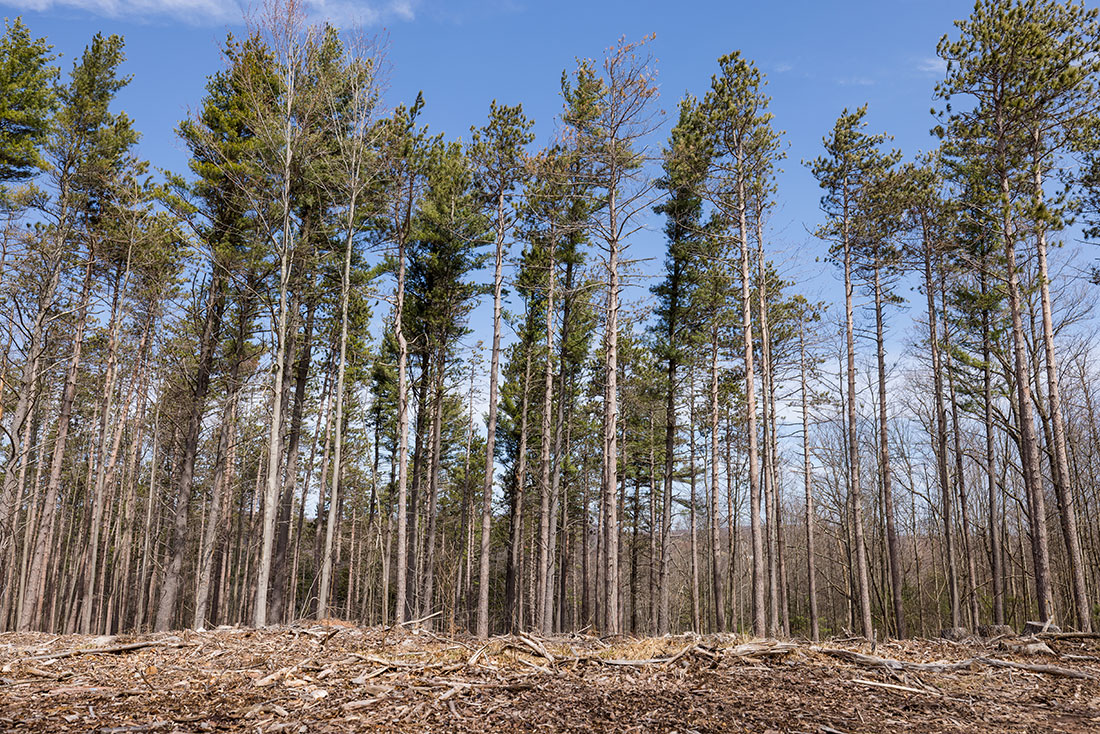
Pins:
x: 123, y: 586
x: 563, y: 425
x: 862, y: 579
x: 433, y: 481
x: 222, y: 471
x: 513, y: 580
x: 281, y: 577
x: 663, y: 608
x: 167, y: 607
x: 1067, y: 513
x: 696, y: 615
x: 294, y: 50
x: 546, y: 578
x: 402, y: 560
x: 108, y: 457
x: 960, y: 481
x: 490, y: 439
x: 715, y: 555
x: 941, y: 432
x: 893, y: 552
x: 611, y: 425
x: 30, y: 610
x: 811, y: 572
x: 22, y: 417
x: 338, y: 445
x: 420, y: 457
x: 759, y: 623
x: 1029, y: 444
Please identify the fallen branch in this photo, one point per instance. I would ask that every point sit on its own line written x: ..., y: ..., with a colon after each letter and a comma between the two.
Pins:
x: 114, y: 649
x: 893, y: 687
x: 418, y: 621
x: 537, y: 647
x: 1047, y: 669
x: 968, y: 664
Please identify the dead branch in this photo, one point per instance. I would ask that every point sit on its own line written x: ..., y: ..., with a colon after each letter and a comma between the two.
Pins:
x: 968, y: 664
x: 112, y: 650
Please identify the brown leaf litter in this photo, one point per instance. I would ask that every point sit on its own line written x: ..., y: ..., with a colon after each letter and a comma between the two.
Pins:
x: 336, y: 678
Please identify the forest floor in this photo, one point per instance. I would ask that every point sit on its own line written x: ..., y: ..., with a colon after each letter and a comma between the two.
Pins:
x: 338, y: 678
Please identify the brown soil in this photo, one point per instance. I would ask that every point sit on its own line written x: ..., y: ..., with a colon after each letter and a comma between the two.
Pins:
x: 336, y: 678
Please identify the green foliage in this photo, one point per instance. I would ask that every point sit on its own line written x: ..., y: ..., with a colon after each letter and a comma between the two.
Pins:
x: 686, y: 162
x: 27, y: 101
x: 447, y: 233
x: 852, y: 161
x: 89, y: 144
x: 497, y: 155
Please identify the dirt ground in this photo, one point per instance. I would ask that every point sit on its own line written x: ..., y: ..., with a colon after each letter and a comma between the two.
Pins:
x: 337, y: 678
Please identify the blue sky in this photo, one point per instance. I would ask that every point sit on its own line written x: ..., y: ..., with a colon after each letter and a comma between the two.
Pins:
x: 819, y: 57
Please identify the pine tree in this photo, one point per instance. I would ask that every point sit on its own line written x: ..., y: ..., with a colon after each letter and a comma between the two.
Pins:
x: 611, y: 113
x: 27, y: 102
x: 685, y: 168
x: 499, y: 159
x: 87, y: 150
x: 745, y: 149
x: 852, y: 161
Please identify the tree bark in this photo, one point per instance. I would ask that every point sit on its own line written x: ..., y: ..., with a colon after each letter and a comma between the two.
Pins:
x: 893, y: 551
x: 1062, y: 486
x: 30, y: 610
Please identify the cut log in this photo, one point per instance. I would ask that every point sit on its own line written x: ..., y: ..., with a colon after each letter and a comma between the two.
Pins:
x: 1035, y: 628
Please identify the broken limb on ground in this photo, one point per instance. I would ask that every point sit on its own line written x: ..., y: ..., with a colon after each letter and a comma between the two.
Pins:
x: 337, y: 678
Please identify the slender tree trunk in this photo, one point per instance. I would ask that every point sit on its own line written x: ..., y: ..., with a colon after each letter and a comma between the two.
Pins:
x: 611, y: 423
x: 490, y: 439
x: 338, y: 443
x: 665, y: 582
x: 429, y: 561
x: 513, y: 581
x: 222, y: 471
x: 893, y: 552
x: 167, y: 607
x: 715, y: 555
x: 1062, y: 487
x: 1029, y: 444
x: 546, y: 577
x: 30, y: 610
x: 22, y: 417
x: 401, y: 563
x: 696, y: 615
x: 281, y: 577
x: 941, y: 434
x: 862, y: 579
x: 759, y: 624
x: 811, y: 551
x: 995, y: 553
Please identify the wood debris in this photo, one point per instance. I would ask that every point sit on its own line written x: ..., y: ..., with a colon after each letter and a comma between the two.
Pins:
x: 335, y: 678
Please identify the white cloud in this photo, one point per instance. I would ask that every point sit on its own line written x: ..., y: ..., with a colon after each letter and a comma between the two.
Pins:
x: 346, y: 13
x: 192, y: 11
x: 932, y: 65
x: 856, y: 81
x: 207, y: 12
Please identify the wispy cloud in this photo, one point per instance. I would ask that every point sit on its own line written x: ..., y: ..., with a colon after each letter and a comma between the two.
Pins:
x: 856, y: 81
x: 203, y: 12
x: 191, y: 11
x: 350, y: 12
x: 932, y: 65
x: 783, y: 67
